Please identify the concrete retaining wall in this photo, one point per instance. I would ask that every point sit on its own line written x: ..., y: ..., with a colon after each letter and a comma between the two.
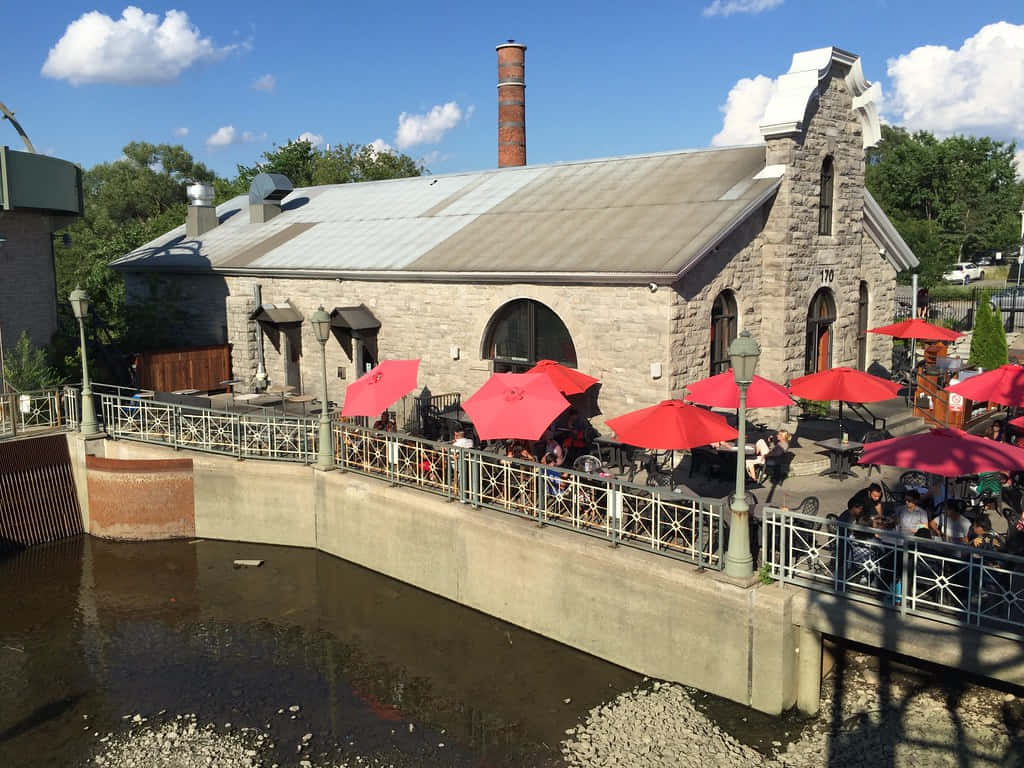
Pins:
x: 147, y: 499
x: 647, y: 613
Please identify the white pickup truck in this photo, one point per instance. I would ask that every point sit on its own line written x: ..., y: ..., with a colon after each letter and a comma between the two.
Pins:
x: 964, y: 272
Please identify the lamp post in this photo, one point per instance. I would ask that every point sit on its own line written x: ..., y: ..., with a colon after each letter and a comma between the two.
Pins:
x: 322, y: 328
x: 80, y: 304
x: 743, y: 354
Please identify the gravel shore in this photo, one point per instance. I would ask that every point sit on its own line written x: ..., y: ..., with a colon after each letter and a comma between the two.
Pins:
x: 662, y: 726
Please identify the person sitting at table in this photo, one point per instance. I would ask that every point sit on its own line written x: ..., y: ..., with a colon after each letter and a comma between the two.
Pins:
x: 762, y: 450
x: 461, y: 441
x: 911, y: 517
x: 384, y: 423
x: 982, y: 535
x: 516, y: 449
x: 950, y: 524
x: 871, y: 498
x: 551, y: 475
x: 575, y: 441
x: 994, y: 431
x: 552, y: 446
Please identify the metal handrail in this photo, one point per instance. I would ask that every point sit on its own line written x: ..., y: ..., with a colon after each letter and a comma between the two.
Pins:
x: 938, y: 580
x: 673, y: 524
x: 37, y: 411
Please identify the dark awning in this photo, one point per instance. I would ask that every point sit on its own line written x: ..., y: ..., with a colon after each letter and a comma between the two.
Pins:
x: 354, y: 319
x: 277, y: 314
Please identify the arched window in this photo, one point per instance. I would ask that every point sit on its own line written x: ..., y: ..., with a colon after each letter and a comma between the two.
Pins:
x: 524, y: 332
x: 821, y: 316
x: 862, y: 327
x: 723, y: 330
x: 825, y: 197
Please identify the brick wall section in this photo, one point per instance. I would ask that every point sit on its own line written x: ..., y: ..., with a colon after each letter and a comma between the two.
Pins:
x: 28, y: 286
x: 141, y: 499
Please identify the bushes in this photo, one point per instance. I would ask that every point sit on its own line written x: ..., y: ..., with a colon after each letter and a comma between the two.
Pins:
x: 988, y: 344
x: 25, y: 367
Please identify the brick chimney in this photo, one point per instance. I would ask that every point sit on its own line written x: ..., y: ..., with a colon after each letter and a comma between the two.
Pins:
x: 511, y: 104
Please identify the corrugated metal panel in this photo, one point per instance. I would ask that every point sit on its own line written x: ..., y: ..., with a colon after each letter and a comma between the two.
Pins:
x: 639, y: 214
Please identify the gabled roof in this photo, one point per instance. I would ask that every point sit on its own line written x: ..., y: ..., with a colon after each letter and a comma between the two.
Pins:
x: 882, y: 231
x: 627, y: 219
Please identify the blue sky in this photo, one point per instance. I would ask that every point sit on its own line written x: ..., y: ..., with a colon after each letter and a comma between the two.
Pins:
x: 602, y: 78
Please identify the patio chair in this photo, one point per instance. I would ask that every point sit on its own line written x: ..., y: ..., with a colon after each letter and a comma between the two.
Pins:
x: 872, y: 436
x: 913, y: 479
x: 775, y: 469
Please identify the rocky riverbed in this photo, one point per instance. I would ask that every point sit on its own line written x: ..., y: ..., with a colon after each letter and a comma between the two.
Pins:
x: 862, y: 723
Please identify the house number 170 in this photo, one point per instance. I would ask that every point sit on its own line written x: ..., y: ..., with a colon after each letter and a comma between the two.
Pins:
x: 827, y: 276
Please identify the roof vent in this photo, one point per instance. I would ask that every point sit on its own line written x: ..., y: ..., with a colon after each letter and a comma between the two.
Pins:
x: 201, y: 216
x: 265, y: 195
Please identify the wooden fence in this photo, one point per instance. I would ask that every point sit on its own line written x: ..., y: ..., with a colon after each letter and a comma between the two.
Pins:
x: 168, y: 370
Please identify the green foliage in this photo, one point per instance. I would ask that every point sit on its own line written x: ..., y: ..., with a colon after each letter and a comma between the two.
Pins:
x: 951, y: 200
x: 988, y: 344
x: 305, y: 165
x: 814, y: 409
x: 765, y: 574
x: 25, y: 367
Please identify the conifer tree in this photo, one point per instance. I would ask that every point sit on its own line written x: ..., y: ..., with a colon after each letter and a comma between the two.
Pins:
x: 988, y: 344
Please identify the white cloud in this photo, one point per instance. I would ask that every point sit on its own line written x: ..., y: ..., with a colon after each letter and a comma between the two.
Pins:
x: 379, y: 145
x: 135, y: 49
x: 429, y: 128
x: 265, y: 83
x: 226, y: 135
x: 181, y: 132
x: 729, y: 7
x: 313, y: 138
x: 976, y: 89
x: 743, y: 110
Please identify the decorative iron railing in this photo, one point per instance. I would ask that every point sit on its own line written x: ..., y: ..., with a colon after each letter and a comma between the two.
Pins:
x: 952, y: 583
x: 656, y: 519
x: 38, y: 411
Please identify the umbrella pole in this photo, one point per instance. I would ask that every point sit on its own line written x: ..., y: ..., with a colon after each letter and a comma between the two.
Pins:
x: 840, y: 419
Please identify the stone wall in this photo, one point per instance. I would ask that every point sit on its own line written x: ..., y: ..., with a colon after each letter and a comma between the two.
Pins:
x: 28, y: 286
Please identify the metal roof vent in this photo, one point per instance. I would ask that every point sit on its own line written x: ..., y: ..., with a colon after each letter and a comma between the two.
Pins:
x: 201, y: 216
x: 265, y: 194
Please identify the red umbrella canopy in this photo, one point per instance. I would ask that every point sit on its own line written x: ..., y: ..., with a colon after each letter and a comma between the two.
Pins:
x: 568, y: 380
x: 671, y: 425
x: 721, y: 392
x: 374, y: 391
x: 945, y: 452
x: 916, y: 328
x: 1004, y: 385
x: 514, y: 406
x: 844, y: 384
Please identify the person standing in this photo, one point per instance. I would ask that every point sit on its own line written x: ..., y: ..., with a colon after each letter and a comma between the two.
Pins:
x: 922, y: 303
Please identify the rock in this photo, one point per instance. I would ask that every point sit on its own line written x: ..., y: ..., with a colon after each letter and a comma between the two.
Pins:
x: 294, y: 708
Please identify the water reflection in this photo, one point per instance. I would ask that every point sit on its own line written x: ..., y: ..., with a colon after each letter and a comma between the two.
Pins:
x: 110, y: 629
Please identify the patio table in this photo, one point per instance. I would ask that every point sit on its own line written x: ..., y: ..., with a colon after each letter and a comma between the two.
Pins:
x: 622, y: 456
x: 840, y: 457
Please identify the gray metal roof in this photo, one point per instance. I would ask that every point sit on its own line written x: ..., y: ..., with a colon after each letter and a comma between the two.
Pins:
x: 620, y: 219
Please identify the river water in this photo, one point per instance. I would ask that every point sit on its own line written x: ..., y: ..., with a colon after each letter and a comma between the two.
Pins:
x: 92, y: 631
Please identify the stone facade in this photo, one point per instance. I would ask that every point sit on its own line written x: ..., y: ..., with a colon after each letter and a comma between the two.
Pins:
x: 28, y: 285
x: 644, y: 343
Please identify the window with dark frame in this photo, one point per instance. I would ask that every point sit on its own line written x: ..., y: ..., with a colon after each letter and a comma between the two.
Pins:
x: 524, y: 332
x: 862, y: 327
x: 825, y: 197
x: 821, y: 316
x: 724, y: 319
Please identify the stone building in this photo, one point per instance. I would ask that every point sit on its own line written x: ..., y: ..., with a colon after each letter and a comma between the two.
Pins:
x: 637, y: 270
x: 38, y: 195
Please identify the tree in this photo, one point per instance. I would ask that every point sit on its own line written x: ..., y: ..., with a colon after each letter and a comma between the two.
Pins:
x: 306, y: 165
x: 25, y: 367
x: 988, y: 343
x: 951, y: 200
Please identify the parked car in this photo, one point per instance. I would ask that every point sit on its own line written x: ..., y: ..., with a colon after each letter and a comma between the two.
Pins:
x: 1011, y: 298
x: 964, y: 272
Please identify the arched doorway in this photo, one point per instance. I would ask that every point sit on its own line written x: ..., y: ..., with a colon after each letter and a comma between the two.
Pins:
x: 862, y: 327
x: 821, y: 316
x: 724, y: 318
x: 524, y: 332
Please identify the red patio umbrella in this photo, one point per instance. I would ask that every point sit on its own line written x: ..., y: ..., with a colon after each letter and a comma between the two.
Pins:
x: 721, y: 392
x: 514, y: 406
x: 847, y: 385
x: 374, y: 391
x: 916, y: 328
x: 671, y: 425
x: 568, y: 380
x: 945, y: 452
x: 1003, y: 385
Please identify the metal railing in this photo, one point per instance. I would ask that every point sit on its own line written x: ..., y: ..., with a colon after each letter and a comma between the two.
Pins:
x: 656, y: 519
x: 38, y: 411
x: 951, y: 583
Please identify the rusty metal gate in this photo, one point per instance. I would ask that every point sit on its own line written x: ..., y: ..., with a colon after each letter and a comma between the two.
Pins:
x: 37, y: 492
